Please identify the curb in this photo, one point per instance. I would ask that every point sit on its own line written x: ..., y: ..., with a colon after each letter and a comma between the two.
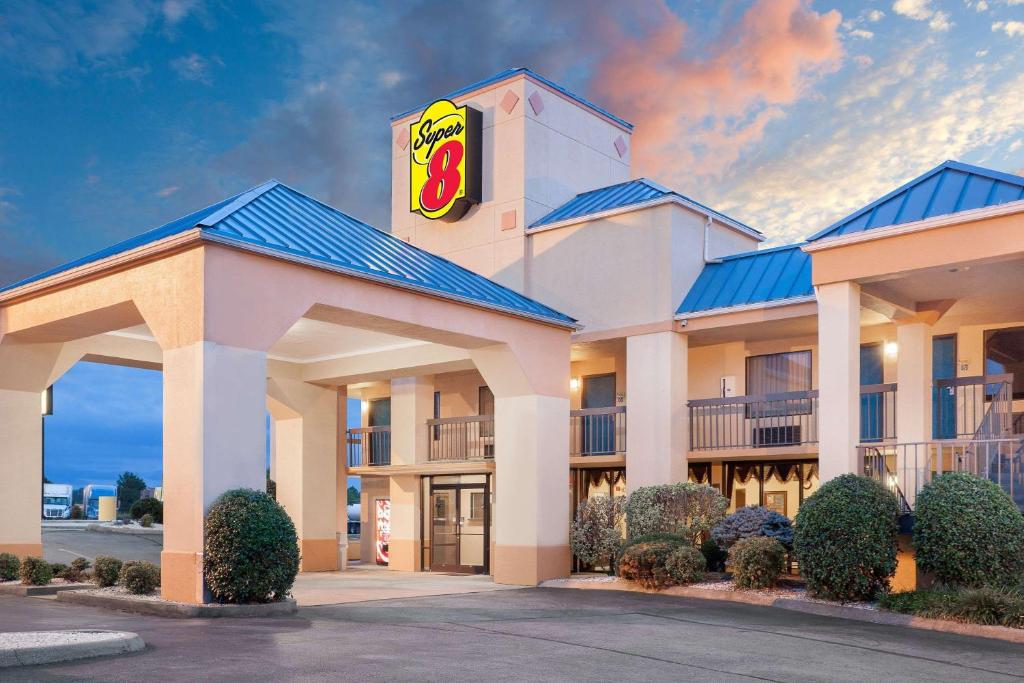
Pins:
x: 36, y: 591
x: 130, y: 530
x: 180, y: 610
x: 124, y: 643
x: 1011, y: 635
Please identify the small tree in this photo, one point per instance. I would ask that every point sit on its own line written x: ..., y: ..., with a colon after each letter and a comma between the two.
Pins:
x: 353, y: 495
x: 596, y: 536
x: 129, y: 489
x: 686, y: 509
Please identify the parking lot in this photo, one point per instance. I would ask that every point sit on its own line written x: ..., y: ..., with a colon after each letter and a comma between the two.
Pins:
x: 64, y: 541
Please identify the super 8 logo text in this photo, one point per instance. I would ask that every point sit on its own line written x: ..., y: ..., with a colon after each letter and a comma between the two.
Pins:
x: 444, y: 161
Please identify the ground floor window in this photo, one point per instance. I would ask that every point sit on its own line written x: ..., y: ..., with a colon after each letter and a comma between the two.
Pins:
x: 456, y: 523
x: 779, y: 485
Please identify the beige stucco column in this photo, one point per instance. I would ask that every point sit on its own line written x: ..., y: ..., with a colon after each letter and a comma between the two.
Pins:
x: 412, y: 404
x: 838, y: 378
x: 657, y: 431
x: 913, y: 404
x: 214, y: 440
x: 341, y: 478
x: 306, y: 440
x: 531, y: 453
x: 25, y: 372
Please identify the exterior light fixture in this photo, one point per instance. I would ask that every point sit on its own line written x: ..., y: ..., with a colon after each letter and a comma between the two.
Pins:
x: 47, y: 401
x: 574, y: 384
x: 891, y: 349
x: 365, y: 405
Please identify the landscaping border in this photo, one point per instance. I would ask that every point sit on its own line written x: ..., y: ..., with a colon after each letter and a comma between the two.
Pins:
x: 161, y: 608
x: 1011, y: 635
x: 123, y: 642
x: 23, y: 591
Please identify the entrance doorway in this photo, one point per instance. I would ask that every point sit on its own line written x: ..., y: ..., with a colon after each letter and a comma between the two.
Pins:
x: 598, y: 430
x: 460, y: 520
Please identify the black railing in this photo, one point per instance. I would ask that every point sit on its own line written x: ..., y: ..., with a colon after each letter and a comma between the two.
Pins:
x: 454, y: 439
x: 973, y: 407
x: 877, y: 412
x: 597, y: 431
x: 786, y: 419
x: 368, y: 446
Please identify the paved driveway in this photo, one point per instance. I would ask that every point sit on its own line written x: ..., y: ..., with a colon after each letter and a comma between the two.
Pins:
x: 65, y: 544
x: 534, y: 634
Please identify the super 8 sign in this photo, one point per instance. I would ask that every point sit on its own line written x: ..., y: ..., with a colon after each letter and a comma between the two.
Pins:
x: 444, y: 161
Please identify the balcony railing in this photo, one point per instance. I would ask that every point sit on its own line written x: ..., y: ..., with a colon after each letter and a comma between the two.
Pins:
x: 970, y: 407
x: 786, y: 419
x: 597, y: 431
x: 368, y: 446
x: 454, y: 439
x: 877, y: 412
x: 905, y: 468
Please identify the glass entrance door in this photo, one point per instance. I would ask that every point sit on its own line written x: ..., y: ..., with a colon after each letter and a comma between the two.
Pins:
x: 598, y: 430
x: 460, y: 519
x: 944, y: 398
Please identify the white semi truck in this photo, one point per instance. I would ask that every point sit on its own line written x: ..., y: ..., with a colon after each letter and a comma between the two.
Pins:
x: 56, y: 501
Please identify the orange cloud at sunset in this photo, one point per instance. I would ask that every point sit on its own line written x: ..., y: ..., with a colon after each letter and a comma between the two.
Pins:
x: 697, y: 106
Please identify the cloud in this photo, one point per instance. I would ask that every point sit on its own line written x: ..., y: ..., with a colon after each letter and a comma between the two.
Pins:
x: 194, y: 67
x: 922, y: 10
x: 696, y: 112
x: 174, y: 11
x: 167, y: 191
x: 875, y: 15
x: 1010, y: 28
x: 863, y: 61
x: 862, y: 33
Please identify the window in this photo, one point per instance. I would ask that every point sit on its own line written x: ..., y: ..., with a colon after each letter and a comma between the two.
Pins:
x: 485, y: 406
x: 779, y: 373
x: 437, y: 414
x: 1004, y: 354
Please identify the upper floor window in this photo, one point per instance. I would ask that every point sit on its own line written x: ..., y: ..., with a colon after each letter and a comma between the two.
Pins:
x: 779, y: 373
x: 1004, y: 354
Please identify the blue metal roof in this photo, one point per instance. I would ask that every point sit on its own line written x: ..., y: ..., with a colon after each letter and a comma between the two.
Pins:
x: 948, y: 188
x: 751, y: 278
x: 509, y: 73
x: 621, y: 195
x: 279, y: 220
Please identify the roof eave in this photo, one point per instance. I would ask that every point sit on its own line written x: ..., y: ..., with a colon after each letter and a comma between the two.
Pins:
x: 739, y: 308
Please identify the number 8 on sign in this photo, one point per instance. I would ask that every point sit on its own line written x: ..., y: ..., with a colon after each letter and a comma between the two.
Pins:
x: 443, y: 177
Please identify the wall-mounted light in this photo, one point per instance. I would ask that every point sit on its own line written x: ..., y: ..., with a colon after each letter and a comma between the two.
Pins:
x: 891, y: 349
x: 365, y: 405
x: 574, y: 384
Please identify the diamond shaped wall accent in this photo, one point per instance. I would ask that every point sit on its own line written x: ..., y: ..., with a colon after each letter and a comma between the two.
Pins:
x: 508, y: 220
x: 620, y: 146
x: 403, y: 138
x: 536, y: 103
x: 509, y: 101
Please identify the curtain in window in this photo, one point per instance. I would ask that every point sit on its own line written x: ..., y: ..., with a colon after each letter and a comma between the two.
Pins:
x: 779, y: 373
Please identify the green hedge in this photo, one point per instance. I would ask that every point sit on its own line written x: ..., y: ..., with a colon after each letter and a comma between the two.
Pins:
x: 985, y: 605
x: 251, y: 552
x: 968, y: 532
x: 138, y: 577
x: 757, y: 561
x: 845, y: 538
x: 35, y: 571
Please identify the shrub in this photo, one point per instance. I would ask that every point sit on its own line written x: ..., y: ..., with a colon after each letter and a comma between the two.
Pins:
x: 673, y: 539
x: 76, y: 511
x: 251, y: 551
x: 58, y: 568
x: 714, y: 556
x: 35, y: 571
x: 968, y: 532
x: 686, y: 565
x: 138, y: 577
x: 757, y: 561
x: 10, y: 565
x: 147, y: 520
x: 148, y: 506
x: 106, y: 571
x: 984, y: 605
x: 596, y: 535
x: 76, y: 571
x: 753, y: 521
x: 686, y: 509
x: 646, y: 563
x: 845, y: 538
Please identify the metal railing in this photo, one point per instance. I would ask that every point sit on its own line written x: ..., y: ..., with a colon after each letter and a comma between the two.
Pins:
x: 454, y: 439
x: 969, y: 407
x: 597, y: 431
x: 877, y: 412
x: 368, y: 446
x: 907, y: 467
x: 785, y: 419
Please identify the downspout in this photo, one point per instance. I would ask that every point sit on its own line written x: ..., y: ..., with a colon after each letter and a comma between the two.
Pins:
x: 707, y: 240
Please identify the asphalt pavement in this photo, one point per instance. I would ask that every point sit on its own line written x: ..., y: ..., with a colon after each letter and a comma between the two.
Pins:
x: 65, y: 543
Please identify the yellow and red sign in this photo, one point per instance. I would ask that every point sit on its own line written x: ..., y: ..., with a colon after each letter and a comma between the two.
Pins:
x: 444, y: 161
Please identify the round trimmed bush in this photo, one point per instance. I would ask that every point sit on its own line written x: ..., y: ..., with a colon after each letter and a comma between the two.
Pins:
x: 251, y: 552
x: 686, y: 565
x: 845, y: 538
x: 148, y: 506
x: 106, y: 570
x: 10, y: 565
x: 968, y: 532
x: 138, y: 577
x: 685, y: 509
x: 646, y: 563
x: 757, y: 561
x: 35, y: 571
x: 147, y: 520
x: 75, y: 572
x: 58, y: 569
x: 748, y: 522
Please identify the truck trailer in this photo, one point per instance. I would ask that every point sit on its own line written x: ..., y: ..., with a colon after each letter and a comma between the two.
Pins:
x: 91, y: 495
x: 57, y: 501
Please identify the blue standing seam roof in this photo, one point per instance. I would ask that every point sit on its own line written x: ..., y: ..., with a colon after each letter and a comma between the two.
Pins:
x: 751, y: 278
x: 509, y: 73
x: 280, y: 220
x: 618, y: 196
x: 948, y: 188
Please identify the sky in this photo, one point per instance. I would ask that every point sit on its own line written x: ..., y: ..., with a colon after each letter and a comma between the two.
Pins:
x: 120, y: 115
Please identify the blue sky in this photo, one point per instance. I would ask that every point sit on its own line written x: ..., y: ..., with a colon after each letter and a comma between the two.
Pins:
x: 120, y: 115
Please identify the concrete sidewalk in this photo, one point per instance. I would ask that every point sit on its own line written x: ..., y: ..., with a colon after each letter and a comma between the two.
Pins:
x: 361, y: 583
